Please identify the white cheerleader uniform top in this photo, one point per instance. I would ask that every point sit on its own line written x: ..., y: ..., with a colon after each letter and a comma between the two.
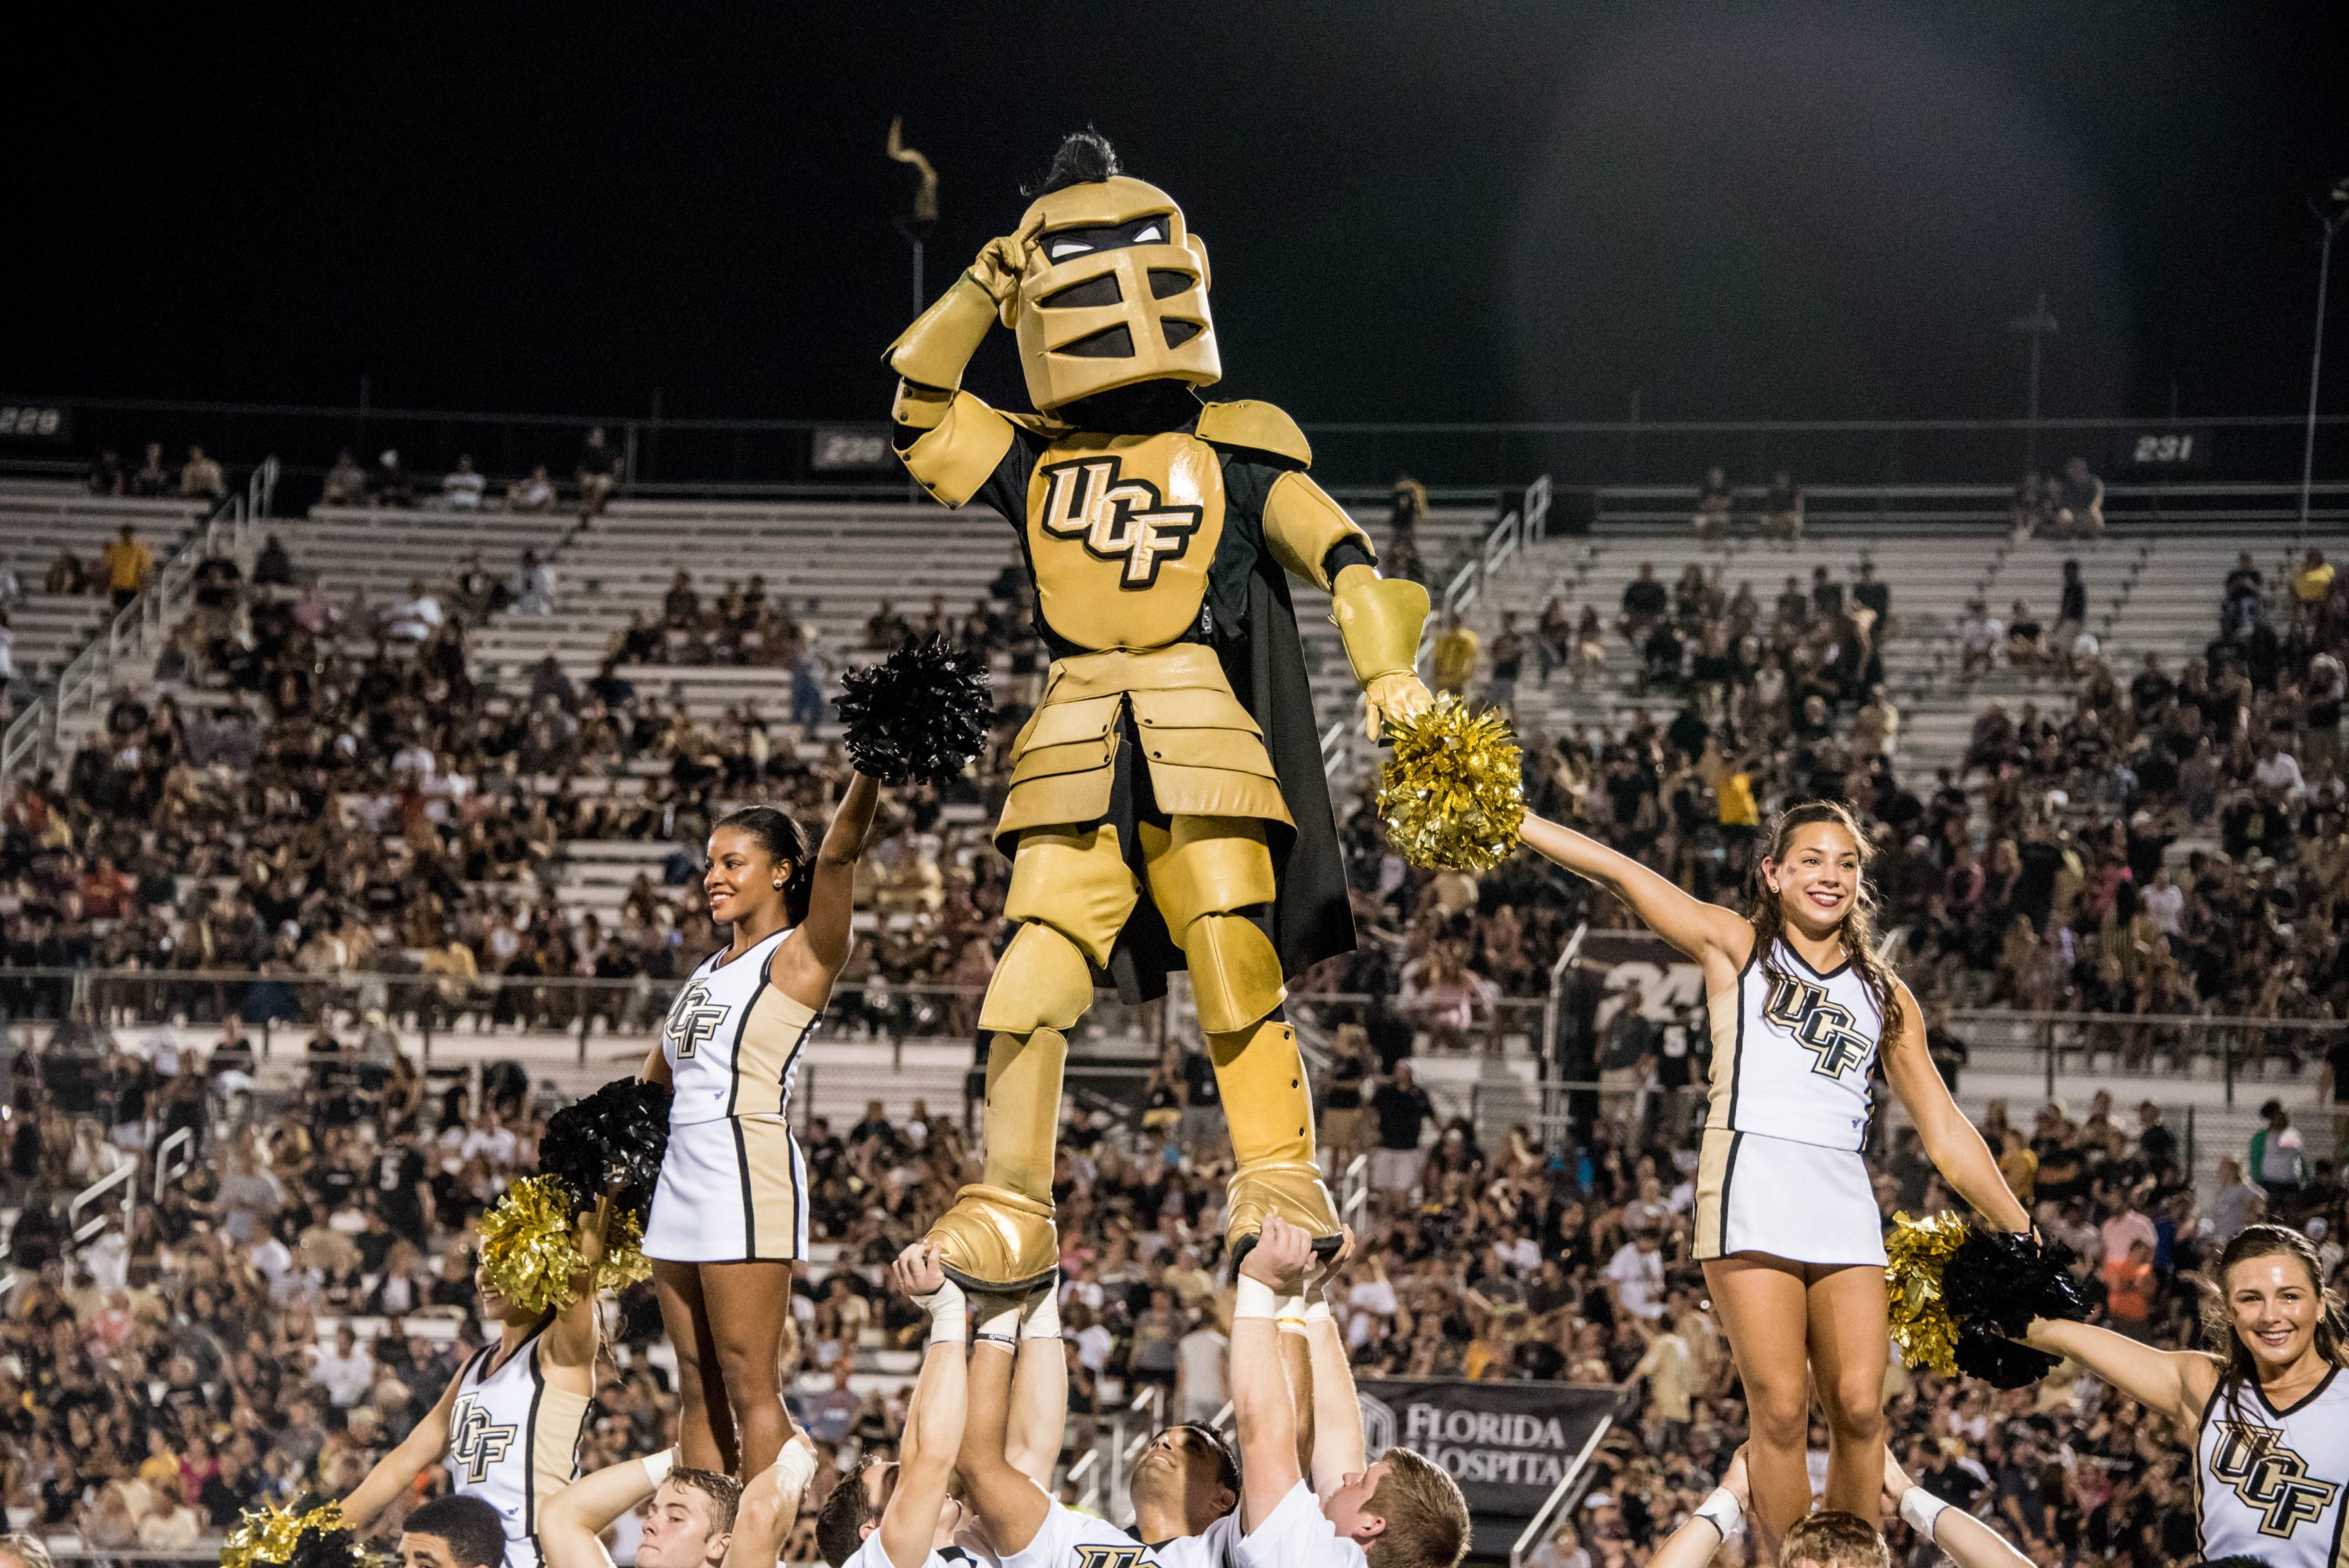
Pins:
x: 733, y: 1039
x: 514, y: 1441
x: 2268, y: 1482
x: 1791, y: 1056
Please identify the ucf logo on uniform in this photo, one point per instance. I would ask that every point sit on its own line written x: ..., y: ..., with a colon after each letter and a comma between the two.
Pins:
x: 692, y: 1020
x: 1821, y: 1026
x: 2269, y: 1478
x: 1117, y: 520
x: 474, y: 1442
x: 1110, y: 1557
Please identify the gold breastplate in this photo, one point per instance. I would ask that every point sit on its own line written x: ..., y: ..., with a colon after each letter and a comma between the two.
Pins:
x: 1121, y: 531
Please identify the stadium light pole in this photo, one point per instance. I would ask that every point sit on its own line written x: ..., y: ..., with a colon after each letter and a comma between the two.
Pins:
x: 2038, y: 324
x: 2331, y: 223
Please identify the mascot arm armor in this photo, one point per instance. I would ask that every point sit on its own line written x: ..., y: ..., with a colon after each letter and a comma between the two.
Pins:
x: 951, y: 440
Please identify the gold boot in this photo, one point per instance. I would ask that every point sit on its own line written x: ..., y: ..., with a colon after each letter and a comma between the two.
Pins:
x: 995, y: 1239
x: 1293, y: 1189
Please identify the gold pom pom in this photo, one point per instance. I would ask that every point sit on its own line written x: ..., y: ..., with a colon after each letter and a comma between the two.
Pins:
x: 1453, y: 795
x: 1915, y: 1254
x: 267, y: 1536
x: 623, y: 1263
x: 528, y: 1253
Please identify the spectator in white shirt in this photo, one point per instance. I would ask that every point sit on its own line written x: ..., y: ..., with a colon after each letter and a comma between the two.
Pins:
x: 347, y: 1372
x: 2279, y: 771
x: 2166, y: 901
x: 1201, y: 1389
x: 462, y: 488
x: 535, y: 493
x: 1636, y: 1273
x: 416, y: 617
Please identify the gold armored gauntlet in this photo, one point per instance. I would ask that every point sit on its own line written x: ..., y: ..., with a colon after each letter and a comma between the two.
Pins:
x: 1379, y: 619
x: 935, y: 350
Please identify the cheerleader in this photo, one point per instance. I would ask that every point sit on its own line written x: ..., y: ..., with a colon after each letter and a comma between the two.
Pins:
x: 729, y: 1214
x: 509, y: 1423
x: 2269, y: 1418
x: 1800, y: 1009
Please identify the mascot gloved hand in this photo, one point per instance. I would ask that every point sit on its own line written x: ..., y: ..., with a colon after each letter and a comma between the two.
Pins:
x: 1161, y: 533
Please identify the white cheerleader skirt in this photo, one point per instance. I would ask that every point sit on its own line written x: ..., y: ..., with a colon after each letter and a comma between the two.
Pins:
x: 733, y: 1191
x: 1803, y: 1202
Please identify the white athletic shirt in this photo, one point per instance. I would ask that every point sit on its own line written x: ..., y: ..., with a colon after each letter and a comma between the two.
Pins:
x: 872, y: 1555
x: 1791, y: 1059
x: 1068, y: 1538
x: 514, y: 1441
x: 732, y: 1039
x: 1296, y: 1535
x: 2268, y: 1483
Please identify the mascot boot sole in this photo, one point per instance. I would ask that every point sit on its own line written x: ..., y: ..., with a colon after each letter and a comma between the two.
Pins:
x: 994, y: 1239
x: 1294, y: 1189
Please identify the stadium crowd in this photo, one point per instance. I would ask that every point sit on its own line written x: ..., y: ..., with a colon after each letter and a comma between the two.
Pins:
x: 319, y: 796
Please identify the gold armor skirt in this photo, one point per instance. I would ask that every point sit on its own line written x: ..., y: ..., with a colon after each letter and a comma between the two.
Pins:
x: 1206, y: 754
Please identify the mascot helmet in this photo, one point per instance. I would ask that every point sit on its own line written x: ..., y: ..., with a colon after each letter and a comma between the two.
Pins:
x: 1116, y: 287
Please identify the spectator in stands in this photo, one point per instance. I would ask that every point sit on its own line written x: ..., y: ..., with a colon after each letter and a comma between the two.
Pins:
x: 415, y: 618
x: 1407, y: 509
x: 1714, y: 500
x: 2277, y: 1161
x: 1645, y: 601
x: 106, y: 475
x: 1454, y: 658
x: 1782, y: 510
x: 152, y: 479
x: 272, y: 567
x: 347, y: 482
x: 127, y: 564
x: 533, y: 586
x: 1402, y: 1110
x: 2026, y: 641
x: 1509, y: 663
x: 2312, y: 584
x: 2028, y: 509
x: 1979, y: 636
x: 389, y: 484
x: 462, y: 488
x: 535, y: 493
x: 599, y: 471
x: 2079, y: 504
x: 200, y: 479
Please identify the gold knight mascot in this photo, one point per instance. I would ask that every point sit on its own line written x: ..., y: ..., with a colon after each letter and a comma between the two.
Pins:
x: 1174, y: 745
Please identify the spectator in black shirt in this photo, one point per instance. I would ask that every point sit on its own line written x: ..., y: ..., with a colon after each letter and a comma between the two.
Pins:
x: 106, y: 475
x: 599, y: 471
x: 1403, y: 1111
x: 1644, y: 602
x: 273, y: 568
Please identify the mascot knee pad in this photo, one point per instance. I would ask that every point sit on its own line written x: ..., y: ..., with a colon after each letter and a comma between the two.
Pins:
x: 1041, y: 981
x: 1235, y: 976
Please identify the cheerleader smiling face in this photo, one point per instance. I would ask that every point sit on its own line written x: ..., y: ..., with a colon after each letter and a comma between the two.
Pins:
x: 742, y: 875
x: 2276, y: 1307
x: 1815, y: 876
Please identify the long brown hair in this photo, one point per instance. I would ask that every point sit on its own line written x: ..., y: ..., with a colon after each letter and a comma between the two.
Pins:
x: 2218, y: 1313
x: 1858, y: 930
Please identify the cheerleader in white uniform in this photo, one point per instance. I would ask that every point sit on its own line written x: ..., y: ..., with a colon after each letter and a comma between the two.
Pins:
x: 731, y: 1209
x: 509, y: 1423
x: 1800, y: 1007
x: 2268, y: 1419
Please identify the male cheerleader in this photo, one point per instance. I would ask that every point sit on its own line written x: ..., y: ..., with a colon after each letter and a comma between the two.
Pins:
x: 1833, y: 1538
x: 1403, y: 1511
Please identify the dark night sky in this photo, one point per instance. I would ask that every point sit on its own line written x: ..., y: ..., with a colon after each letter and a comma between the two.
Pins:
x: 1429, y: 211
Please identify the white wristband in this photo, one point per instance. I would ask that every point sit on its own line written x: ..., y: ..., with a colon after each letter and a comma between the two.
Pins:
x: 1291, y: 1313
x: 1921, y: 1509
x: 947, y: 1311
x: 1723, y: 1513
x: 657, y: 1466
x: 795, y: 1467
x: 1316, y: 1311
x: 1254, y: 1298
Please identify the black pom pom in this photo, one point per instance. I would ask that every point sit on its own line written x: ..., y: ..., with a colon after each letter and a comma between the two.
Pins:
x: 1084, y: 158
x: 2002, y: 1280
x: 917, y: 717
x: 1982, y: 1352
x: 611, y: 1142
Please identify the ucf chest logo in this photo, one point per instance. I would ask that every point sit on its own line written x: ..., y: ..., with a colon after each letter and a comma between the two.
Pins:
x: 691, y: 1021
x: 2271, y: 1479
x: 475, y: 1443
x: 1116, y: 518
x: 1819, y: 1026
